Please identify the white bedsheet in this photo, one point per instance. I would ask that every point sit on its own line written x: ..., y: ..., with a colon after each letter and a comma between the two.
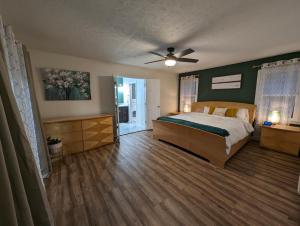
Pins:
x: 237, y: 128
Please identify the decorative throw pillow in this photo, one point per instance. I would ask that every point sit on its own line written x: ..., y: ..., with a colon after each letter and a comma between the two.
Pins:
x: 206, y: 110
x: 231, y: 112
x: 220, y: 111
x: 211, y: 110
x: 243, y: 114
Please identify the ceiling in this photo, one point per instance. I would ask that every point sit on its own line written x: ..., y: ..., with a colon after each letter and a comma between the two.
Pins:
x: 124, y: 31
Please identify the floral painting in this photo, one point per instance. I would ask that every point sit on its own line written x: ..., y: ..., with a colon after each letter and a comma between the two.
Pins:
x: 66, y: 85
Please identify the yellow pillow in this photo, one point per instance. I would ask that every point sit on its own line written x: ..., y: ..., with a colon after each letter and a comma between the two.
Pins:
x: 211, y: 110
x: 231, y: 112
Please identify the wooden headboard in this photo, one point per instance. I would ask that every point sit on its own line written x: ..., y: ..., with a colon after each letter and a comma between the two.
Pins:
x: 223, y: 104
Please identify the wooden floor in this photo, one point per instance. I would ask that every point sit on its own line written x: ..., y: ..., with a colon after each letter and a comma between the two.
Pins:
x: 147, y: 182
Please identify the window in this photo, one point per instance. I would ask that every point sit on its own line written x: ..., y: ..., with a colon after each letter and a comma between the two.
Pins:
x: 278, y: 89
x: 188, y: 92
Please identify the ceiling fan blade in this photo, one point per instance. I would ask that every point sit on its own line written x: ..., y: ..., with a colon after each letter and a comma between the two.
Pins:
x: 189, y: 60
x: 157, y: 54
x: 185, y: 52
x: 154, y: 61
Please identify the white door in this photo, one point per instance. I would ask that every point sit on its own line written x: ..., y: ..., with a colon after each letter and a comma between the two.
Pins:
x: 116, y: 108
x: 152, y: 101
x: 108, y: 99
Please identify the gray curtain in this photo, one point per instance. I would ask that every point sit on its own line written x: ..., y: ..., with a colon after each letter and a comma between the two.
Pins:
x: 45, y: 161
x: 23, y: 199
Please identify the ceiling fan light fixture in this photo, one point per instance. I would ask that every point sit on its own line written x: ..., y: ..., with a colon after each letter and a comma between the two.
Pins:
x: 170, y: 62
x: 171, y: 59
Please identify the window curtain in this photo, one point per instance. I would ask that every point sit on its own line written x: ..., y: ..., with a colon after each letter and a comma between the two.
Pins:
x: 23, y: 198
x: 43, y: 153
x: 18, y: 76
x: 277, y: 89
x: 188, y: 92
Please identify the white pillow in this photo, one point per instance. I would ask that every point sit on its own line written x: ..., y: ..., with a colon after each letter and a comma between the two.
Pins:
x: 243, y: 114
x: 219, y: 111
x: 206, y: 109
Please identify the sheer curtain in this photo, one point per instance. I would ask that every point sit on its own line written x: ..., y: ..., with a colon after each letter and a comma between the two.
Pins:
x: 14, y: 58
x: 23, y: 197
x: 277, y: 88
x: 188, y: 92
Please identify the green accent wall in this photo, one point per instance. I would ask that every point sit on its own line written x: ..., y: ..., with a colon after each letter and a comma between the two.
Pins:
x: 246, y: 93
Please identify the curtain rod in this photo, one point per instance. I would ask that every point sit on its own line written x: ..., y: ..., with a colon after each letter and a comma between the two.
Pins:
x: 257, y: 66
x: 274, y: 63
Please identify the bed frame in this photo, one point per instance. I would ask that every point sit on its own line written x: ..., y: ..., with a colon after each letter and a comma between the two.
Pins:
x: 205, y: 144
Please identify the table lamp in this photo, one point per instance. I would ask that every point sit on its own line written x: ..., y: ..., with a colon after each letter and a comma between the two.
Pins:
x: 186, y: 108
x: 274, y: 117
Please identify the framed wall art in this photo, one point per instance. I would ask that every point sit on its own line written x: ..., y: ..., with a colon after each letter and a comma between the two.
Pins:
x: 60, y: 84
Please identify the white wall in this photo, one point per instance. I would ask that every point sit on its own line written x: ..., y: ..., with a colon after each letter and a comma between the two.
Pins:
x: 50, y: 109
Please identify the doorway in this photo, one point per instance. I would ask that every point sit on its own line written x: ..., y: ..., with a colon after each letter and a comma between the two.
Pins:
x: 131, y: 104
x: 137, y: 102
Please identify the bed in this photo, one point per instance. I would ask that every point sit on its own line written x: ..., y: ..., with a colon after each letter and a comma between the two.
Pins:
x: 214, y: 145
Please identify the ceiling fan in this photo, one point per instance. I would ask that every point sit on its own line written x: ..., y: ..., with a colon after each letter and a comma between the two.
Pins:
x: 170, y: 59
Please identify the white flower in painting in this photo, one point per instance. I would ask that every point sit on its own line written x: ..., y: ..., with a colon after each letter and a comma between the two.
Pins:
x: 69, y: 79
x: 64, y: 73
x: 66, y: 84
x: 60, y: 82
x: 49, y: 86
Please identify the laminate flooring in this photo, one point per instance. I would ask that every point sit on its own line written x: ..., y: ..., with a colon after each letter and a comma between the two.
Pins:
x: 143, y: 181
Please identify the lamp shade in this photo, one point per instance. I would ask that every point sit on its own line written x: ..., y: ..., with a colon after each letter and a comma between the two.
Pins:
x: 274, y: 117
x: 186, y: 108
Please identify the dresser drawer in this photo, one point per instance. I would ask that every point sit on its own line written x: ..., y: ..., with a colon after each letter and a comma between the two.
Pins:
x: 71, y: 137
x: 98, y: 142
x: 97, y: 133
x: 62, y: 127
x: 72, y: 148
x: 102, y: 122
x: 67, y: 137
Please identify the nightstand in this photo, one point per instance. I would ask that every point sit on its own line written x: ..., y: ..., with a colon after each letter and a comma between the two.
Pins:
x: 281, y: 138
x: 175, y: 113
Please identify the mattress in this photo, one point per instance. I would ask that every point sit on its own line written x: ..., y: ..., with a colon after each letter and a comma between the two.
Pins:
x: 237, y: 128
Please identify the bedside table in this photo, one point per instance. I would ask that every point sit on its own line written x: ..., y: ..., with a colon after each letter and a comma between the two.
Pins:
x: 281, y: 138
x: 176, y: 113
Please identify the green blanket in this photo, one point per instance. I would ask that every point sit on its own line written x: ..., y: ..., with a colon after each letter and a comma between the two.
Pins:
x: 207, y: 128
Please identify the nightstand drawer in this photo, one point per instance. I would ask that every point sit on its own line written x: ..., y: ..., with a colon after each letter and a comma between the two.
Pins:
x: 279, y: 138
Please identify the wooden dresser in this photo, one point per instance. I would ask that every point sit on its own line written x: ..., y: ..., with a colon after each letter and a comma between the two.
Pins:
x: 80, y: 134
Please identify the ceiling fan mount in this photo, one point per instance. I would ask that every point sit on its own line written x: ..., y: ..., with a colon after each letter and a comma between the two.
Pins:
x: 171, y: 60
x: 171, y: 49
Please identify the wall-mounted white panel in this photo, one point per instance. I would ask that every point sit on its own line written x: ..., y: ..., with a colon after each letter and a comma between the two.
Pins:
x: 226, y: 85
x: 227, y: 78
